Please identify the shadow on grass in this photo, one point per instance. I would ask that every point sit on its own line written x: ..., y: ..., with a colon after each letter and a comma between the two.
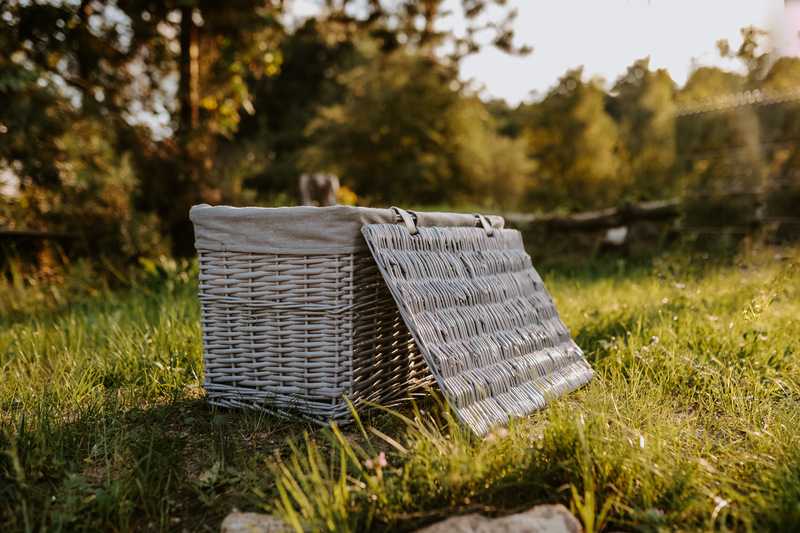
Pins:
x: 182, y: 464
x: 178, y: 465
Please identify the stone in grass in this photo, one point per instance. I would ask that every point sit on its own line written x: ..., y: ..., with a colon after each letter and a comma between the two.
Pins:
x: 540, y: 519
x: 253, y: 523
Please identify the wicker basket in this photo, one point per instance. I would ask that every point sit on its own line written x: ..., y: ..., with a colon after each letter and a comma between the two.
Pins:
x: 295, y: 314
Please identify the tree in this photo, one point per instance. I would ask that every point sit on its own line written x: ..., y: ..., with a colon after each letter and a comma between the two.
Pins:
x: 32, y: 118
x: 754, y: 60
x: 784, y: 74
x: 723, y: 146
x: 780, y: 132
x: 398, y: 135
x: 647, y: 126
x: 413, y: 24
x: 507, y: 122
x: 315, y: 74
x: 709, y: 82
x: 574, y: 144
x: 51, y: 72
x: 117, y: 63
x: 215, y: 47
x: 270, y: 142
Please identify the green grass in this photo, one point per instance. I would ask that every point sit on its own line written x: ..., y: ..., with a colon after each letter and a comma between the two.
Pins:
x: 690, y: 424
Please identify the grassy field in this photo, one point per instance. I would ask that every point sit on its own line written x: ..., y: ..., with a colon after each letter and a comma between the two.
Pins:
x: 692, y: 422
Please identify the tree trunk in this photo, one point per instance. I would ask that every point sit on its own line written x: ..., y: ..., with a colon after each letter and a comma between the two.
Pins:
x: 189, y: 87
x: 191, y: 183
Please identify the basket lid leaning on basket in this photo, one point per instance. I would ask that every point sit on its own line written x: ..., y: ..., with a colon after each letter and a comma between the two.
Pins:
x: 300, y: 309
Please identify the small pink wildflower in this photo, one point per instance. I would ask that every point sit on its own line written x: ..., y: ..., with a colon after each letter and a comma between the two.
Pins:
x: 503, y: 432
x: 368, y: 463
x: 382, y: 459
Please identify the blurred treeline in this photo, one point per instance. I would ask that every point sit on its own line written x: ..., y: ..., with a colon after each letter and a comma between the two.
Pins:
x: 116, y: 116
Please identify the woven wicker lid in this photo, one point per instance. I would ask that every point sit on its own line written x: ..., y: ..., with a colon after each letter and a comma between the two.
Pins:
x: 301, y: 230
x: 482, y: 318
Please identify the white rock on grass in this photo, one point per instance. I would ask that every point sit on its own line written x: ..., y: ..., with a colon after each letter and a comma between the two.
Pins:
x: 540, y: 519
x: 253, y: 523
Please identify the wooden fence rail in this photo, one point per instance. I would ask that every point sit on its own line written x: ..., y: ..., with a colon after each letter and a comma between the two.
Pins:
x: 15, y: 235
x: 702, y: 217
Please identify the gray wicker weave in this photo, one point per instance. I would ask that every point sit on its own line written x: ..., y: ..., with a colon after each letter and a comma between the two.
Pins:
x: 482, y: 317
x: 296, y: 334
x: 295, y: 313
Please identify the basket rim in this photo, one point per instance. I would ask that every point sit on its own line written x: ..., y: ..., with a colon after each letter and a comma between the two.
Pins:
x: 302, y: 230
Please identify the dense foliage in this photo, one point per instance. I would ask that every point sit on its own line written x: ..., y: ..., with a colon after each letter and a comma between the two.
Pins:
x: 116, y: 116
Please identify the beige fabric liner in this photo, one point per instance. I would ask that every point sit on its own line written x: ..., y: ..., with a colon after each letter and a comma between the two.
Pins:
x: 306, y: 230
